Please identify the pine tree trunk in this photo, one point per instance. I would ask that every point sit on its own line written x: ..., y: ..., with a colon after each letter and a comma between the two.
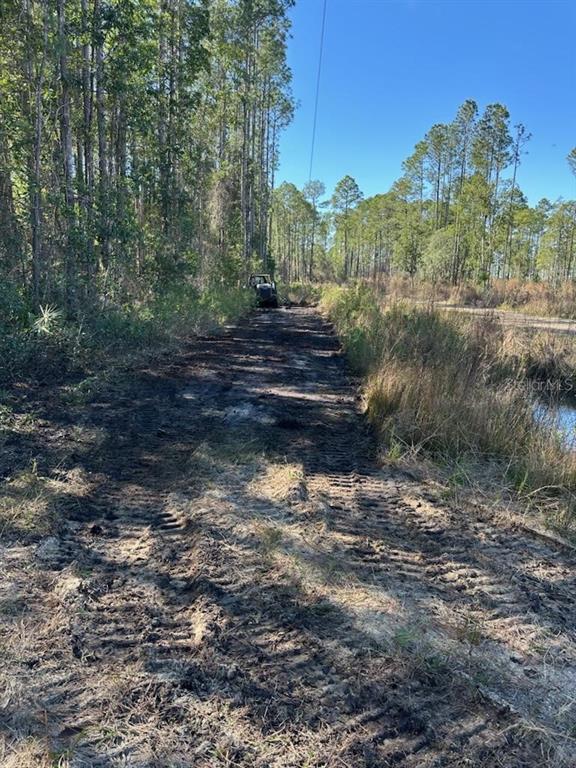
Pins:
x: 88, y: 155
x: 68, y: 162
x: 33, y: 112
x: 103, y: 184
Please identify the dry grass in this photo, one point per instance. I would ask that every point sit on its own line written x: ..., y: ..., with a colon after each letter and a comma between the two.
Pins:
x: 530, y: 297
x: 31, y: 753
x: 27, y: 503
x: 399, y: 287
x: 30, y: 503
x: 449, y: 386
x: 279, y: 482
x: 544, y: 357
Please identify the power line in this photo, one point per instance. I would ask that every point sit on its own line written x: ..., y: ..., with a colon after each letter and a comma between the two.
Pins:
x: 317, y: 90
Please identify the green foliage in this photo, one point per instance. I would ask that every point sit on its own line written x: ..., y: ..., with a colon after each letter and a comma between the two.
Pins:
x: 51, y: 347
x: 138, y: 142
x: 356, y: 315
x: 14, y: 309
x: 457, y: 214
x: 438, y: 254
x: 136, y: 150
x: 371, y: 334
x: 297, y: 231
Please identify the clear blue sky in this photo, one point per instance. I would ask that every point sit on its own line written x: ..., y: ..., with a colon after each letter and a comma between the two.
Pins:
x: 393, y: 68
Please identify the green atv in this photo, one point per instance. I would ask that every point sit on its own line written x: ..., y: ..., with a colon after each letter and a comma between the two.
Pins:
x: 265, y: 288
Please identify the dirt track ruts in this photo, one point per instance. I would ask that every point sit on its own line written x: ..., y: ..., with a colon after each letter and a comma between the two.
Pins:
x: 238, y: 582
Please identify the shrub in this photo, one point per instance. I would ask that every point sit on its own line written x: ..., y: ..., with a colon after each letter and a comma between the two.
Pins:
x: 301, y: 294
x: 467, y: 295
x: 46, y: 346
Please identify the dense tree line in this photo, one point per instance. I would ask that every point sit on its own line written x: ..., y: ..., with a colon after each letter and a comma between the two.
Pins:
x: 299, y: 231
x: 457, y: 213
x: 138, y: 142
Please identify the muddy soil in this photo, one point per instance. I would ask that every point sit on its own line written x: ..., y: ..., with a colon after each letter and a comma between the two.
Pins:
x: 230, y: 577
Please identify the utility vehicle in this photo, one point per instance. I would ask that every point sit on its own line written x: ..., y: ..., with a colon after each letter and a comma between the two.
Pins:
x: 265, y: 289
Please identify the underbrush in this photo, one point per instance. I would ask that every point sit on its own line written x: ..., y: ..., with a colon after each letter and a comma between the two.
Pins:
x: 46, y: 346
x: 452, y: 386
x: 301, y: 294
x: 532, y: 298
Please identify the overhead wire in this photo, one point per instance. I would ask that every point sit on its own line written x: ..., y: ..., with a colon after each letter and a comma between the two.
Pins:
x: 315, y: 120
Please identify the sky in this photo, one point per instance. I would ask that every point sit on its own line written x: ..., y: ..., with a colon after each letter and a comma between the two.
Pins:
x: 393, y: 68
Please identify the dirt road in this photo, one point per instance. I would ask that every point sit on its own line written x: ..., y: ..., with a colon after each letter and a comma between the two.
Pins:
x: 233, y: 580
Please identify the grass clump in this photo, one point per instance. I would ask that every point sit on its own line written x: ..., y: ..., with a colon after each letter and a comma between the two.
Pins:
x: 270, y: 538
x: 27, y: 504
x: 451, y: 386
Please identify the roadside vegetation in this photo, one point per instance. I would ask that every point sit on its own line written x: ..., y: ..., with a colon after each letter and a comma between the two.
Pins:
x: 530, y: 297
x: 457, y: 388
x: 48, y: 346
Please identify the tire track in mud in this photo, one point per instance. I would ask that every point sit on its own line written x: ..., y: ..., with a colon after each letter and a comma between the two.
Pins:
x: 481, y: 569
x: 355, y: 621
x: 423, y: 551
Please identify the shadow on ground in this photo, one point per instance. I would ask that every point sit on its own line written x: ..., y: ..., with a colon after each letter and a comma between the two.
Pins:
x: 232, y: 580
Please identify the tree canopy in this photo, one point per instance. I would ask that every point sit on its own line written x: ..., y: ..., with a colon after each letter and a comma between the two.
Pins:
x: 456, y: 213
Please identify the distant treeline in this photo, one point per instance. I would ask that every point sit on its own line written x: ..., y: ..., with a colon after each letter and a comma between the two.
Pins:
x: 457, y: 213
